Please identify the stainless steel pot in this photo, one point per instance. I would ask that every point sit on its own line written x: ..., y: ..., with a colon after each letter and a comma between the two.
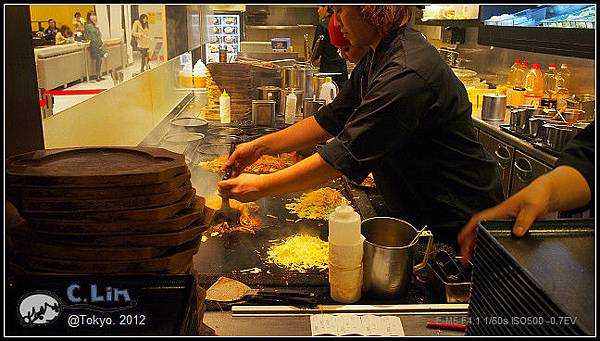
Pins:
x: 519, y: 118
x: 535, y: 124
x: 263, y: 112
x: 300, y: 77
x: 388, y: 260
x: 585, y: 102
x: 557, y: 136
x: 193, y: 124
x: 493, y: 108
x: 271, y: 93
x: 312, y: 105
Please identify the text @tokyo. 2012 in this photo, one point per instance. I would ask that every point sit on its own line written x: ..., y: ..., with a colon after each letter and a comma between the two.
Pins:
x: 93, y: 320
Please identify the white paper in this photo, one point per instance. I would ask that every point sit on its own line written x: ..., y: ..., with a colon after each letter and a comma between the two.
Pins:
x: 323, y: 324
x: 370, y: 325
x: 394, y: 325
x: 349, y: 324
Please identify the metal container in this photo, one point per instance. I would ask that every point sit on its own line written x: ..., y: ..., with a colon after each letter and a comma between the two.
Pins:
x: 193, y: 124
x: 312, y: 105
x: 519, y: 118
x: 263, y: 112
x: 573, y: 115
x: 183, y: 143
x: 225, y: 131
x: 388, y: 258
x: 493, y: 108
x: 451, y: 292
x: 585, y: 102
x: 535, y: 124
x: 299, y: 101
x: 272, y: 93
x: 320, y: 78
x: 557, y: 136
x: 299, y: 77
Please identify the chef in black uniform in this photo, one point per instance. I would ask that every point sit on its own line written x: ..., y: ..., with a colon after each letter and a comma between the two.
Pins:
x: 404, y: 116
x: 326, y: 56
x: 570, y: 186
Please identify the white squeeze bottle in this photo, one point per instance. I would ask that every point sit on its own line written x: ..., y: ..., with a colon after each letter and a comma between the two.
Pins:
x: 291, y: 102
x: 345, y: 255
x: 328, y: 91
x: 225, y: 107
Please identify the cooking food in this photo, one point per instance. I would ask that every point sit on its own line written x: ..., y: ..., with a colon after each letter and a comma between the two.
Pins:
x: 369, y: 182
x: 264, y: 165
x: 317, y: 204
x: 248, y: 223
x: 300, y: 253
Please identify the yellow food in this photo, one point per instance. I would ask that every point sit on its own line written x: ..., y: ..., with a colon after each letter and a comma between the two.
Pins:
x: 317, y: 204
x: 264, y: 165
x: 300, y: 253
x: 248, y: 222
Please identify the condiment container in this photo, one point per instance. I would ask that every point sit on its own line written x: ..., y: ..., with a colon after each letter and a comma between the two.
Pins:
x: 328, y: 91
x: 225, y: 107
x: 344, y: 226
x: 299, y: 100
x: 291, y: 101
x: 345, y: 284
x: 346, y: 256
x: 494, y: 107
x: 312, y: 105
x: 271, y: 93
x: 263, y: 112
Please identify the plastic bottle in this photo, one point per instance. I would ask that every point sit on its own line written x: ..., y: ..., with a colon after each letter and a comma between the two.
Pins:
x: 328, y: 91
x: 345, y: 255
x: 512, y: 74
x: 534, y: 86
x: 291, y: 102
x: 550, y: 81
x: 563, y: 77
x: 520, y: 74
x: 185, y: 76
x: 225, y: 107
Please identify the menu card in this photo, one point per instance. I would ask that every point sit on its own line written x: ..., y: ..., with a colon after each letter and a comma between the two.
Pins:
x: 352, y: 324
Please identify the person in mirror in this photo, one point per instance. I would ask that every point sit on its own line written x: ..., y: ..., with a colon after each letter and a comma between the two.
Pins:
x: 93, y: 34
x: 78, y: 26
x: 64, y: 35
x: 50, y: 32
x: 141, y: 32
x: 326, y: 56
x: 403, y: 116
x: 567, y: 187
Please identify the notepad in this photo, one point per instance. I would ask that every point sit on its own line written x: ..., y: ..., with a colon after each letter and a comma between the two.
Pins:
x: 353, y: 324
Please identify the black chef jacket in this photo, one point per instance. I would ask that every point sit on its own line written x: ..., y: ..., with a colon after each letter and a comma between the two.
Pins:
x: 579, y: 153
x: 406, y: 117
x: 330, y: 58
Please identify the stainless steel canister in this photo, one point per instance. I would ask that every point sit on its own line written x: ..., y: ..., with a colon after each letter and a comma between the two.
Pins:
x: 535, y: 124
x: 272, y: 93
x: 263, y: 112
x: 300, y: 99
x: 312, y: 105
x: 388, y: 258
x: 493, y: 108
x: 585, y: 102
x: 559, y: 136
x: 320, y: 78
x: 519, y: 118
x: 299, y: 77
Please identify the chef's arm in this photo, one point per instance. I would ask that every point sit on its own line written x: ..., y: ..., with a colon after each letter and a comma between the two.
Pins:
x: 306, y: 174
x: 301, y: 135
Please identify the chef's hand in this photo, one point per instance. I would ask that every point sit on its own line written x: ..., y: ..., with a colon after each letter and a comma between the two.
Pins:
x: 527, y: 205
x: 244, y: 188
x: 244, y: 155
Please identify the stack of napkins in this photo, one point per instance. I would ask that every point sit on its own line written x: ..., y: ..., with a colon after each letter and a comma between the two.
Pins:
x: 352, y: 324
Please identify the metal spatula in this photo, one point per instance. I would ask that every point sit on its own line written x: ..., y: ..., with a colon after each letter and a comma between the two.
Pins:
x: 228, y: 290
x: 226, y: 213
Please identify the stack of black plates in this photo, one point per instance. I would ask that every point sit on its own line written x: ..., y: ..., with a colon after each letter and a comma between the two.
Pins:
x: 542, y: 284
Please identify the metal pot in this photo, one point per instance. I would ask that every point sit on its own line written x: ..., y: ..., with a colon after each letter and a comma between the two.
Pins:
x: 299, y: 77
x: 585, y: 102
x: 263, y: 112
x: 535, y: 124
x: 193, y: 124
x: 388, y: 259
x: 493, y: 108
x: 271, y: 93
x: 320, y: 78
x: 519, y: 118
x: 312, y: 105
x: 557, y: 136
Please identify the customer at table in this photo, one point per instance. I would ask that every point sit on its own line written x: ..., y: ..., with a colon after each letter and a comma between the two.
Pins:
x: 405, y: 117
x: 326, y: 56
x: 569, y: 186
x: 78, y: 26
x: 141, y: 33
x: 93, y: 34
x: 65, y: 35
x: 50, y: 32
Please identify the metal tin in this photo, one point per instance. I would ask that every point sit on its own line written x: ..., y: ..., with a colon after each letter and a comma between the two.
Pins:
x: 299, y: 101
x: 263, y: 112
x: 494, y: 107
x: 585, y: 102
x: 272, y: 93
x: 312, y: 105
x: 389, y: 249
x: 519, y: 118
x: 299, y: 77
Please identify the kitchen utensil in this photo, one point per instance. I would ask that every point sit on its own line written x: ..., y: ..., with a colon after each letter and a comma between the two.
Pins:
x: 192, y: 124
x: 320, y: 78
x: 389, y: 254
x: 263, y: 112
x: 94, y: 167
x: 572, y: 115
x: 271, y: 93
x: 312, y: 105
x: 450, y: 292
x: 183, y: 143
x: 494, y: 107
x: 558, y: 136
x: 449, y: 268
x: 284, y: 95
x: 226, y: 213
x: 447, y: 326
x: 229, y: 291
x: 223, y: 139
x: 584, y: 102
x: 299, y: 77
x: 306, y: 53
x: 535, y: 125
x: 316, y: 48
x: 519, y: 119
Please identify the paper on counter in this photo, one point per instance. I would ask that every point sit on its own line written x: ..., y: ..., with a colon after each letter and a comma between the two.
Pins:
x: 352, y: 324
x: 323, y: 324
x: 394, y: 325
x: 349, y: 324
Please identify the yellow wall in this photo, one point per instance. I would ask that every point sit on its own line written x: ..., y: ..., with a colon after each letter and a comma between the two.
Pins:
x: 63, y: 14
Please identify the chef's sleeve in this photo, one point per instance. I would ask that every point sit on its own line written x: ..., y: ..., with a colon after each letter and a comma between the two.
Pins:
x: 579, y: 153
x: 384, y: 120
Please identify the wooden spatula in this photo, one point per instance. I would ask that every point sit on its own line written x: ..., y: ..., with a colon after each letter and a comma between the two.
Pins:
x: 226, y: 213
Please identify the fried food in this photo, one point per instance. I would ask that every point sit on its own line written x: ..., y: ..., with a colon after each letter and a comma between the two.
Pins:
x: 300, y: 253
x: 317, y: 204
x: 248, y: 223
x: 264, y: 165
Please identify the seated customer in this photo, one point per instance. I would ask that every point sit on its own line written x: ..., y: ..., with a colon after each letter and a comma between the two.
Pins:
x: 51, y: 31
x: 569, y: 186
x: 65, y: 35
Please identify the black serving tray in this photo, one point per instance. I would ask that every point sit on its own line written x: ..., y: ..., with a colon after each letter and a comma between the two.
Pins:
x: 549, y: 274
x: 169, y: 304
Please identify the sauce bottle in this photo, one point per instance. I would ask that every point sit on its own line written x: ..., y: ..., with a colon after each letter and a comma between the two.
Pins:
x: 225, y: 107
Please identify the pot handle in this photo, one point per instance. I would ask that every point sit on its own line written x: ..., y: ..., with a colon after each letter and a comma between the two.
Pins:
x: 423, y: 264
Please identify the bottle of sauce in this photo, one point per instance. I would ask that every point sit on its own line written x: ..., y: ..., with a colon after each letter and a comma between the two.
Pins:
x: 225, y: 107
x: 563, y: 84
x: 534, y: 85
x: 291, y: 102
x: 520, y: 74
x: 512, y: 74
x: 550, y: 81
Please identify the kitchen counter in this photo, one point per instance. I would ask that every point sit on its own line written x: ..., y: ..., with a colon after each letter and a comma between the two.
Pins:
x: 493, y: 128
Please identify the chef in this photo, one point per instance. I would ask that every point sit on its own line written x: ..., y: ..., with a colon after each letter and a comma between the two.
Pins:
x: 326, y: 56
x: 405, y: 117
